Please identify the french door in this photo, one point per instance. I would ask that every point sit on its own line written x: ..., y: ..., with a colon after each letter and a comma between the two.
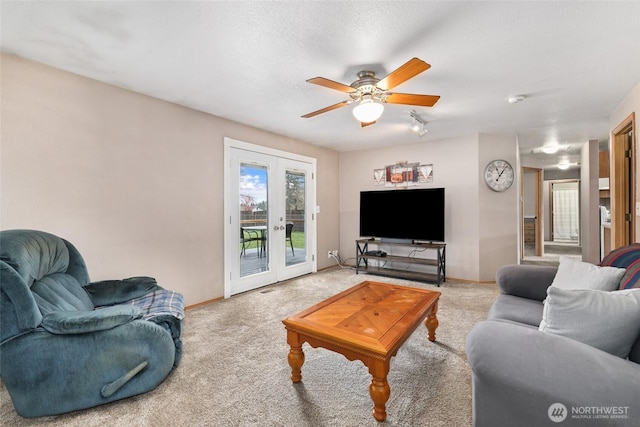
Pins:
x: 270, y: 216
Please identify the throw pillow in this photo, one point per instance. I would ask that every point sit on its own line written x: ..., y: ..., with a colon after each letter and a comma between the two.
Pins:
x: 627, y: 257
x: 574, y: 274
x: 609, y: 321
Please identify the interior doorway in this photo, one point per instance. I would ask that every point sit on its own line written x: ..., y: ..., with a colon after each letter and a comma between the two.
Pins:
x: 532, y: 219
x: 537, y: 220
x: 622, y: 185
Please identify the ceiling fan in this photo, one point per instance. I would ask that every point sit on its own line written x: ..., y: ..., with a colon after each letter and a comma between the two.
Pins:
x: 370, y: 92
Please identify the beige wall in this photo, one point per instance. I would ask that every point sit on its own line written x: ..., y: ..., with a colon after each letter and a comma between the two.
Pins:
x: 498, y: 212
x: 137, y: 183
x: 470, y: 206
x: 630, y: 104
x: 589, y: 201
x: 134, y: 182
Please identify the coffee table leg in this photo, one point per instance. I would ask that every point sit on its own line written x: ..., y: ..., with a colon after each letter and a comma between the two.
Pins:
x: 432, y: 322
x: 296, y: 356
x: 379, y: 389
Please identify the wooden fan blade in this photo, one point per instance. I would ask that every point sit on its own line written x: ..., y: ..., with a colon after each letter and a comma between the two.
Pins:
x: 329, y: 108
x: 410, y: 69
x: 331, y: 84
x: 412, y: 99
x: 363, y: 124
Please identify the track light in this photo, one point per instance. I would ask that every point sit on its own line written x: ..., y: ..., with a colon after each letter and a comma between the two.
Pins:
x: 417, y: 124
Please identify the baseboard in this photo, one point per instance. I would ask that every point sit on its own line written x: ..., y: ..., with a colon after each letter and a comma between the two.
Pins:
x: 200, y: 304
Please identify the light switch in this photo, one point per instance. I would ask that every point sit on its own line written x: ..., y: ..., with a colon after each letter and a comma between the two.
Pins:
x: 318, y: 209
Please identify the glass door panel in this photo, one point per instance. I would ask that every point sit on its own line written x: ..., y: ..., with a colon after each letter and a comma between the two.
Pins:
x: 254, y: 219
x: 297, y: 215
x: 248, y: 256
x: 295, y: 203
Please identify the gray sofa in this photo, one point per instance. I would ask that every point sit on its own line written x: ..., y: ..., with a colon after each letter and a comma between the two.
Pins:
x: 524, y: 377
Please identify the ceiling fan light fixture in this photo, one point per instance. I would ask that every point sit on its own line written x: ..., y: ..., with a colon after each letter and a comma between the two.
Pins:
x: 368, y: 110
x: 370, y: 92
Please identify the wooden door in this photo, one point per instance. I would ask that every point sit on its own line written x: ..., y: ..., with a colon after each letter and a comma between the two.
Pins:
x: 623, y: 166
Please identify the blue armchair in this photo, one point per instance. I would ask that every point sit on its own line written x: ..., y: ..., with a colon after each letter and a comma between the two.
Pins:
x: 69, y: 344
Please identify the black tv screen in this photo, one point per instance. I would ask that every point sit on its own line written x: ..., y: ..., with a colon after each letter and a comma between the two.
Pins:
x: 416, y: 214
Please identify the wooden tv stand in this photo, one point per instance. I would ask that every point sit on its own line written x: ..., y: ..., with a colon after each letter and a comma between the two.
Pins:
x: 364, y: 253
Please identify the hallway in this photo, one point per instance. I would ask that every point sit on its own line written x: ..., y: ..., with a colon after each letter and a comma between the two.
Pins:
x: 552, y: 253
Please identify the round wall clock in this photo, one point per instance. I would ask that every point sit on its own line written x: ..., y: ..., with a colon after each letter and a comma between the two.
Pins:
x: 498, y: 175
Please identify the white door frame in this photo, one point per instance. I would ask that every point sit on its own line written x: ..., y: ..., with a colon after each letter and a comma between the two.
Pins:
x: 231, y: 262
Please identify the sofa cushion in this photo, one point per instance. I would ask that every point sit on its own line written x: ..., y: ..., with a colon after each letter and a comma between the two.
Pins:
x: 574, y: 274
x: 60, y: 292
x: 527, y: 281
x: 609, y: 321
x: 516, y: 309
x: 634, y: 354
x: 627, y: 257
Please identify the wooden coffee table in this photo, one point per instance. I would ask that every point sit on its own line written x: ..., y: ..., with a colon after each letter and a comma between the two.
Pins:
x: 368, y: 322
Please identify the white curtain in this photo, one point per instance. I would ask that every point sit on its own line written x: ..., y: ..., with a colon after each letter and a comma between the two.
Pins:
x: 566, y: 215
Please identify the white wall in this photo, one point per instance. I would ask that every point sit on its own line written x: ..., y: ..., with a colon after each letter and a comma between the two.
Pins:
x: 134, y: 182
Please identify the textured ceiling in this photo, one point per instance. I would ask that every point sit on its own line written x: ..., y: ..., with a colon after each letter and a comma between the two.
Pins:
x: 248, y: 61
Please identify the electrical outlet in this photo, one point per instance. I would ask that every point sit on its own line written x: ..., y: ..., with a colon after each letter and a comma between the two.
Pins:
x: 333, y: 253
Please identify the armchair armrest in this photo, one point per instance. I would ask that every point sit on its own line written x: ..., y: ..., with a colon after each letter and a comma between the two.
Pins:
x: 110, y: 292
x: 527, y: 281
x: 50, y: 374
x: 519, y: 372
x: 80, y: 322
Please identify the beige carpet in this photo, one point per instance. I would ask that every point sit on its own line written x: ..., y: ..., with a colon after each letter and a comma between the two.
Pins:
x: 234, y: 371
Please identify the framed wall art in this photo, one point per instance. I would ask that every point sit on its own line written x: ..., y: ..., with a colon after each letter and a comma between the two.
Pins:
x: 403, y: 174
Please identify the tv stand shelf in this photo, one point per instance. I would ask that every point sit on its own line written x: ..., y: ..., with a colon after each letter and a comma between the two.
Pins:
x: 437, y: 251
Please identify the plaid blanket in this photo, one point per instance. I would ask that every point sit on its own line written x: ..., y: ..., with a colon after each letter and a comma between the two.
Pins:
x: 160, y: 302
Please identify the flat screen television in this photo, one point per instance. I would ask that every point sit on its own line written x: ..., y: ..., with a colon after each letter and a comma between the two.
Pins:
x: 403, y: 215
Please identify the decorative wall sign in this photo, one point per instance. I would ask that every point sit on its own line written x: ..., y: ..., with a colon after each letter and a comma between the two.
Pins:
x: 403, y: 174
x: 379, y: 177
x: 425, y: 173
